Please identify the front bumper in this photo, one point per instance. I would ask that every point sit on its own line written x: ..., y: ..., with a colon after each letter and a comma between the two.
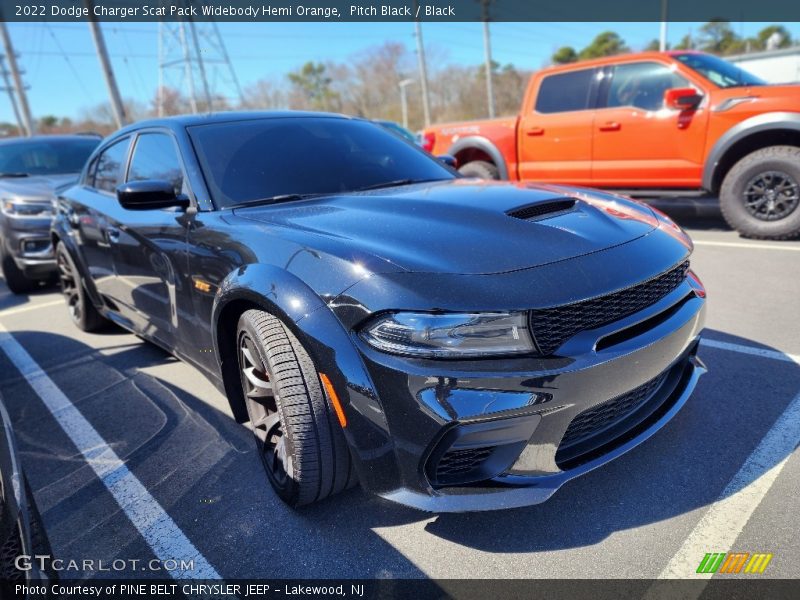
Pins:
x: 28, y: 242
x: 498, y: 426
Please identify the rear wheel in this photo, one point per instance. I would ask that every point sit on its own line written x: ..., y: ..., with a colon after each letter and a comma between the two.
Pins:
x: 300, y: 442
x: 15, y: 278
x: 81, y: 309
x: 481, y: 169
x: 760, y: 196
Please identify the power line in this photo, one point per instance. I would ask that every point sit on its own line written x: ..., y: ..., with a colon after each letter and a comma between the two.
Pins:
x: 69, y: 62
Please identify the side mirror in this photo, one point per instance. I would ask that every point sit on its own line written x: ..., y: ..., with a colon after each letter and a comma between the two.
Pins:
x: 149, y: 195
x: 450, y: 161
x: 682, y: 99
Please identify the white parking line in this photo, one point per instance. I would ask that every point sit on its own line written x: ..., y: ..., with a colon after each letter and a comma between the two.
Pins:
x: 157, y: 528
x: 15, y: 311
x: 754, y: 245
x: 726, y: 518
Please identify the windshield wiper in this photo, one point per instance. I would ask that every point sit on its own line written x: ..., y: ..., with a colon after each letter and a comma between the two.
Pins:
x: 274, y: 200
x: 14, y: 175
x: 395, y: 183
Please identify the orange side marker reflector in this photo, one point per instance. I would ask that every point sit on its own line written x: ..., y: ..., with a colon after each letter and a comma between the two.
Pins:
x: 337, y: 406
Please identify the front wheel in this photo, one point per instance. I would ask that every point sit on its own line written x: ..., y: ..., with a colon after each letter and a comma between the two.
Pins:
x: 15, y: 278
x: 300, y: 442
x: 81, y: 309
x: 480, y: 169
x: 760, y: 195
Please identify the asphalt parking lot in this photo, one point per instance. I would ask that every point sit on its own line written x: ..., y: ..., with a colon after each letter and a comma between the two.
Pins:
x: 722, y: 476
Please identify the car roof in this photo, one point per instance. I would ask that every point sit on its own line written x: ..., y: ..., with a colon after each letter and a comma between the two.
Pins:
x: 183, y: 121
x: 617, y: 59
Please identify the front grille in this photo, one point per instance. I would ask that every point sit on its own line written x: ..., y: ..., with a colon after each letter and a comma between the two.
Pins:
x: 554, y: 326
x: 597, y: 418
x: 459, y: 462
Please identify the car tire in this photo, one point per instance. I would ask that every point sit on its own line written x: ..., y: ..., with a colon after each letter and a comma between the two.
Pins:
x: 481, y: 169
x: 16, y: 281
x: 82, y: 310
x: 298, y: 437
x: 760, y: 195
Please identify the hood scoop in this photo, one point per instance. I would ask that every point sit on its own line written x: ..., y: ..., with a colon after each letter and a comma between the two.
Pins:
x: 541, y: 210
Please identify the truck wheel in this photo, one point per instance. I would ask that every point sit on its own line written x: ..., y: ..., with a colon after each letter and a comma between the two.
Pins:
x: 760, y: 196
x: 481, y: 169
x: 81, y: 309
x: 299, y: 440
x: 15, y: 278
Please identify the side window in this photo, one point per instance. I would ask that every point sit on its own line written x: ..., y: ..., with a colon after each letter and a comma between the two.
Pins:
x: 564, y: 92
x: 155, y: 157
x: 110, y: 166
x: 643, y: 85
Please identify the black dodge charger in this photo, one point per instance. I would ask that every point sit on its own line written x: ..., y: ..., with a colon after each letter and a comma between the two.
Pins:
x: 449, y: 344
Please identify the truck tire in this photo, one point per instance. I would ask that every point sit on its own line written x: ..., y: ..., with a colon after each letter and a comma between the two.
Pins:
x: 15, y: 278
x: 480, y: 169
x: 760, y: 195
x: 298, y: 437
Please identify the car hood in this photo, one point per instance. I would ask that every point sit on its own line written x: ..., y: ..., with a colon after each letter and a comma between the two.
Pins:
x: 35, y: 187
x: 461, y: 226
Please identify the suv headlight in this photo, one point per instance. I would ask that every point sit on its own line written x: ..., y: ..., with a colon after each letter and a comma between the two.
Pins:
x: 26, y: 209
x: 454, y: 335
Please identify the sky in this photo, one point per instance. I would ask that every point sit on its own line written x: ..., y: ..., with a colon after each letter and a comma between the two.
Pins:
x: 64, y: 77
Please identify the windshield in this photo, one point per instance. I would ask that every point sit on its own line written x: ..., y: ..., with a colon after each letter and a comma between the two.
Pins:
x: 719, y: 72
x: 247, y: 161
x: 45, y: 157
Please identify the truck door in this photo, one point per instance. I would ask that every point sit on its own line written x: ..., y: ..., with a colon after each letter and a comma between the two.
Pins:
x: 554, y: 138
x: 638, y: 142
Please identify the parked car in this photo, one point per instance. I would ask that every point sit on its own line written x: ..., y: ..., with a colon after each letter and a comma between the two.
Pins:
x: 398, y: 129
x: 655, y: 124
x: 22, y: 534
x: 30, y: 170
x: 451, y: 344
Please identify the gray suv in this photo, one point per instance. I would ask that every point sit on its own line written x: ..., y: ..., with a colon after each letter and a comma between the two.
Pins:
x: 31, y: 169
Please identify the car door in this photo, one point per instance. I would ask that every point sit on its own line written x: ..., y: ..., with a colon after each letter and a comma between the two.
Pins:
x: 87, y: 213
x: 637, y: 141
x: 554, y: 138
x: 149, y: 246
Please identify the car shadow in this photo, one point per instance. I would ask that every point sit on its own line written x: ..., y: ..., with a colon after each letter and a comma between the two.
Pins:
x: 10, y: 300
x: 203, y: 467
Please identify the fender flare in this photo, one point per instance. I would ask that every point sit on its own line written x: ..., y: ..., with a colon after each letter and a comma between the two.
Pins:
x: 61, y: 230
x: 482, y: 143
x: 757, y: 124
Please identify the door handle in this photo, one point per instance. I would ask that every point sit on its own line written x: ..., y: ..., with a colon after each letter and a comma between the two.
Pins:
x: 534, y: 131
x: 610, y: 126
x: 113, y: 234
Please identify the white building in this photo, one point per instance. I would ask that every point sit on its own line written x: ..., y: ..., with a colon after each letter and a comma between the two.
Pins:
x: 773, y: 66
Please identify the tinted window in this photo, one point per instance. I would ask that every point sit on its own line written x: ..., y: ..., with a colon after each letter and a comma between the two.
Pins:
x: 110, y: 165
x: 718, y: 71
x: 643, y: 85
x: 565, y: 92
x: 155, y: 157
x: 42, y: 156
x: 251, y: 160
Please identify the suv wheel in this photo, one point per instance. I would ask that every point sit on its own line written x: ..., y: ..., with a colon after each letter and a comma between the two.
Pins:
x: 15, y: 278
x: 760, y: 196
x: 300, y: 442
x: 81, y: 309
x: 481, y: 169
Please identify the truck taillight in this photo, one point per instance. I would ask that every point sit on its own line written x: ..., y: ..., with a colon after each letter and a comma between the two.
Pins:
x: 428, y: 141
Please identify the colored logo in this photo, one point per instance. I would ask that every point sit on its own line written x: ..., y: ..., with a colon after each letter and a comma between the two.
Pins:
x: 734, y: 562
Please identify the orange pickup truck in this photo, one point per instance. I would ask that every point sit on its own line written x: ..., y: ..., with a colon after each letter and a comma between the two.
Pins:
x: 654, y: 124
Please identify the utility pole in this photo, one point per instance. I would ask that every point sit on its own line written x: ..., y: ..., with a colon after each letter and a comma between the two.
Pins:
x: 28, y: 128
x: 487, y: 47
x: 13, y: 99
x: 108, y: 71
x: 662, y: 43
x: 423, y: 74
x: 403, y: 100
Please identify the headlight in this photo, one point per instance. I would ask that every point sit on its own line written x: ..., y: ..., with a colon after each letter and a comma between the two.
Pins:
x: 459, y: 335
x: 26, y: 209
